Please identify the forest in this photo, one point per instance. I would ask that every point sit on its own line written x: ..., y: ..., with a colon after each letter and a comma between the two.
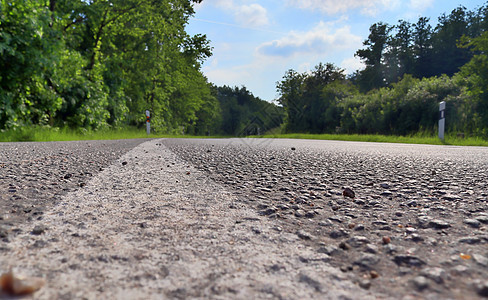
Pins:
x: 409, y: 69
x: 98, y: 64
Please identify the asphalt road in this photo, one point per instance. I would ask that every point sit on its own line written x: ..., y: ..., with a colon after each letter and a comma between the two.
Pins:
x: 263, y: 218
x: 417, y: 224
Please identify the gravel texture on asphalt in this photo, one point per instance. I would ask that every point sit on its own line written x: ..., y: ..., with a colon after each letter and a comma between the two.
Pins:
x: 246, y: 218
x: 151, y: 226
x: 416, y: 229
x: 34, y: 176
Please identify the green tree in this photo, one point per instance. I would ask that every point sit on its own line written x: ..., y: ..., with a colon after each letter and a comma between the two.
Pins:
x: 373, y: 75
x: 320, y: 112
x: 29, y: 50
x: 422, y: 48
x: 97, y: 63
x: 290, y: 89
x: 478, y: 21
x: 408, y: 106
x: 334, y: 95
x: 474, y: 76
x: 448, y: 58
x: 308, y: 107
x: 399, y: 56
x: 244, y: 114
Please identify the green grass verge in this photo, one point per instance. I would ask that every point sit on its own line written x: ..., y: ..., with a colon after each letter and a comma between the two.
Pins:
x: 44, y: 134
x: 415, y: 139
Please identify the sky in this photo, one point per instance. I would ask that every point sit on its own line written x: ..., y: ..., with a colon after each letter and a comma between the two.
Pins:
x: 256, y: 41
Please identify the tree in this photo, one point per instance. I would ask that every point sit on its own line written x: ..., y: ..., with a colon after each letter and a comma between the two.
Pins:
x: 158, y: 64
x: 290, y: 89
x: 399, y: 57
x: 335, y: 94
x: 95, y: 64
x: 475, y: 77
x: 448, y: 58
x: 319, y: 112
x: 29, y: 49
x: 422, y: 48
x: 302, y: 97
x: 244, y: 114
x: 407, y: 107
x: 373, y: 75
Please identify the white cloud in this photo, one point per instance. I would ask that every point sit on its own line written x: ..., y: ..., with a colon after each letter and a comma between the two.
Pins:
x: 321, y: 40
x: 368, y: 7
x: 230, y: 76
x: 224, y: 4
x: 352, y: 64
x: 421, y: 5
x: 214, y: 62
x: 251, y: 15
x: 304, y: 67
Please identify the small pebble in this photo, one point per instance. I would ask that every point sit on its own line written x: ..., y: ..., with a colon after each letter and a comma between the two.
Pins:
x: 420, y: 283
x: 38, y: 230
x: 473, y: 223
x: 374, y: 274
x: 408, y: 260
x: 435, y: 274
x: 304, y: 235
x: 482, y: 288
x: 365, y: 284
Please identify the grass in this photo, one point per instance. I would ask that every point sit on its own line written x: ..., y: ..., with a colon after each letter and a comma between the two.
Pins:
x: 44, y: 134
x: 414, y: 139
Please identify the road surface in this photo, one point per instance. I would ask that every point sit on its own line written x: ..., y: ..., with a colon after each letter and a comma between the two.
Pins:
x: 242, y: 218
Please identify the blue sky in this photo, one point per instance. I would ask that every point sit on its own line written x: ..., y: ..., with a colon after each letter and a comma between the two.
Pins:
x: 256, y: 42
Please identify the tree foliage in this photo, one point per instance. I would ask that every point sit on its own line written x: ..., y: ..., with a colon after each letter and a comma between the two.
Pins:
x: 409, y: 69
x: 94, y: 64
x: 418, y: 48
x: 100, y: 63
x: 474, y: 76
x: 307, y: 105
x: 373, y: 76
x: 244, y: 114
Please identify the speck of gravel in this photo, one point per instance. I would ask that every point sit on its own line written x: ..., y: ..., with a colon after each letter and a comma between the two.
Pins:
x: 420, y: 283
x: 38, y: 230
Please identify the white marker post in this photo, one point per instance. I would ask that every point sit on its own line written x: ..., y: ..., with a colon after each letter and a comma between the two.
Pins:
x: 148, y: 122
x: 442, y: 119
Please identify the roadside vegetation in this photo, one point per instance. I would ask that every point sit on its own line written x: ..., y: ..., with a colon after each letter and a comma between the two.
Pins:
x: 46, y: 134
x: 416, y: 139
x: 409, y: 69
x: 90, y: 70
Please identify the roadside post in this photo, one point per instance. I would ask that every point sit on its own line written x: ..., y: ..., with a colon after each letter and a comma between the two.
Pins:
x: 442, y: 119
x: 148, y: 122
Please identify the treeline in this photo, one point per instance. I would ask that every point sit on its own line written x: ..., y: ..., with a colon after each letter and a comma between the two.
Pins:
x: 237, y: 112
x: 91, y: 64
x: 244, y: 114
x: 409, y: 69
x: 96, y: 64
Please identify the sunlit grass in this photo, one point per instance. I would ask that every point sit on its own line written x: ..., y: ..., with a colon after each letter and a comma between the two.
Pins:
x: 414, y: 139
x: 46, y: 134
